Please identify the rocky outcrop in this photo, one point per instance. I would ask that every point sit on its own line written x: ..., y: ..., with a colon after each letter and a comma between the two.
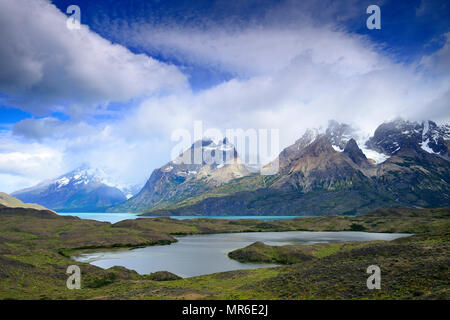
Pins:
x: 355, y: 154
x: 163, y: 276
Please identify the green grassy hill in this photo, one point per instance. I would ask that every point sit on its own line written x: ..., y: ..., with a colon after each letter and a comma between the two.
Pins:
x: 9, y: 201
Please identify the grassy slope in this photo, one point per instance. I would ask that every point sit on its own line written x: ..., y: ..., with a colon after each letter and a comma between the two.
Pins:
x: 248, y: 183
x: 9, y: 201
x: 32, y: 266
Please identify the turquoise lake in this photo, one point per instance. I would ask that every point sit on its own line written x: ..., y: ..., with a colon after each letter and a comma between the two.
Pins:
x: 116, y: 217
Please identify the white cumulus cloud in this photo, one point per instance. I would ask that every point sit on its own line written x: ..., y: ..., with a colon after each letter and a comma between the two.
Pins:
x: 44, y: 66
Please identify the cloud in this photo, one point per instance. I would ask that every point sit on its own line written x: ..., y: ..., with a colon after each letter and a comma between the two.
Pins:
x: 439, y: 62
x: 44, y: 128
x: 44, y: 66
x: 23, y: 164
x: 284, y: 77
x: 255, y: 50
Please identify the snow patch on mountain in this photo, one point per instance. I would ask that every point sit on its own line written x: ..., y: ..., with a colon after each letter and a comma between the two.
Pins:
x: 374, y: 155
x: 424, y: 146
x: 62, y: 182
x: 337, y: 148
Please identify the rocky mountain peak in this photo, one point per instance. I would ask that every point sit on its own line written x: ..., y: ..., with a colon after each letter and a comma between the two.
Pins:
x: 204, y: 165
x: 435, y: 139
x: 334, y: 138
x: 206, y: 152
x: 306, y: 139
x: 339, y: 133
x: 322, y: 144
x: 390, y: 137
x: 354, y: 152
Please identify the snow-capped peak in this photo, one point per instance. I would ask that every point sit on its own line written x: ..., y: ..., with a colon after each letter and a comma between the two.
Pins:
x: 434, y: 138
x: 202, y: 152
x: 85, y: 175
x: 391, y: 137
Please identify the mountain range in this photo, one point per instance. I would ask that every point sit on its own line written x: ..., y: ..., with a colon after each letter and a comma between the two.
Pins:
x: 404, y: 164
x: 82, y: 190
x: 331, y: 171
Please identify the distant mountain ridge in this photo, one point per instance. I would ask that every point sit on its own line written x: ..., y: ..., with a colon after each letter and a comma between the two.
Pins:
x: 83, y: 189
x: 329, y: 173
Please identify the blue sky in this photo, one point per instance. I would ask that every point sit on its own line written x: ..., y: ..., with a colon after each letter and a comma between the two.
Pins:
x: 410, y: 29
x: 139, y: 70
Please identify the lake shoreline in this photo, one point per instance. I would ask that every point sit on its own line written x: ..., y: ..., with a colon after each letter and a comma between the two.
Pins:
x: 73, y: 252
x: 202, y: 254
x: 294, y: 223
